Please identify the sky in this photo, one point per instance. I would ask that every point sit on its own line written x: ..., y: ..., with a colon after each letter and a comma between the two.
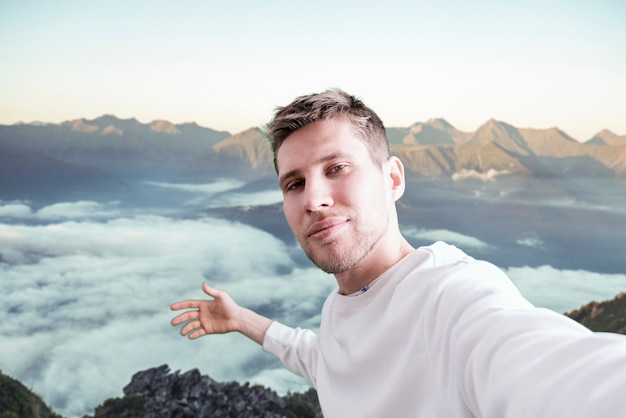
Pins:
x: 228, y: 65
x: 86, y: 288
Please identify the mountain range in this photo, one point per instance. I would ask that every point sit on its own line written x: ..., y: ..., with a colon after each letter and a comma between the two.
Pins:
x: 435, y: 148
x: 104, y: 153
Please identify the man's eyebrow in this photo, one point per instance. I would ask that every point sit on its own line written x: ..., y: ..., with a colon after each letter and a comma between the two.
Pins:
x: 284, y: 177
x: 295, y: 172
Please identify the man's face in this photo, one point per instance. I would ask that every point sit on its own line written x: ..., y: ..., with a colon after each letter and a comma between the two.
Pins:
x: 337, y: 200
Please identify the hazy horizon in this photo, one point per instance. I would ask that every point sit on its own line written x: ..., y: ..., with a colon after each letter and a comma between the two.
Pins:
x: 261, y: 125
x: 228, y: 65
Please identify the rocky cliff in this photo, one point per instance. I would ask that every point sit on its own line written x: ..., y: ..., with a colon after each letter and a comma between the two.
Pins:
x: 157, y: 393
x: 607, y: 316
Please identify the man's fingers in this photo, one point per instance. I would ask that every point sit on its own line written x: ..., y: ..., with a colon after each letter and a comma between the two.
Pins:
x: 184, y: 317
x: 193, y: 330
x: 197, y: 334
x: 193, y: 327
x: 185, y: 304
x: 189, y: 328
x: 211, y: 291
x: 193, y: 303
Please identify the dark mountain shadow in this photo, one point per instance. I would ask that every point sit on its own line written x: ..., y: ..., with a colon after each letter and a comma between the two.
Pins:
x: 525, y: 221
x: 575, y: 166
x: 40, y: 178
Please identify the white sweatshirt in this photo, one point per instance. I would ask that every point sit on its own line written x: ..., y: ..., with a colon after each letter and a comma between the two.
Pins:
x: 443, y: 335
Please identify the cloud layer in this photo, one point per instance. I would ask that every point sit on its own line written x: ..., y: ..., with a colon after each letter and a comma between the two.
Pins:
x: 451, y: 237
x: 86, y: 291
x: 86, y: 304
x: 565, y: 290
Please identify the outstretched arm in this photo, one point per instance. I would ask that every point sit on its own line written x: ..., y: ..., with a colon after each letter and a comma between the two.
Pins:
x: 219, y: 315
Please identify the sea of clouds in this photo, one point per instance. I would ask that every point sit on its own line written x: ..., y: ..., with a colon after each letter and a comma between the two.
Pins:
x: 86, y: 289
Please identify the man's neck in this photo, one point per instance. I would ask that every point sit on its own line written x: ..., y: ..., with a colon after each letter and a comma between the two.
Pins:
x: 375, y: 263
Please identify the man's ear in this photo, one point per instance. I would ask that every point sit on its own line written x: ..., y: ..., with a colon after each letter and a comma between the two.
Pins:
x: 396, y: 177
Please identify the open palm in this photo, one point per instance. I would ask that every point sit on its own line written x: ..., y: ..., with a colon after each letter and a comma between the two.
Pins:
x: 215, y: 316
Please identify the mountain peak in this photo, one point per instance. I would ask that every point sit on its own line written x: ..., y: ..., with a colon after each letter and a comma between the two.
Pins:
x: 249, y: 136
x: 164, y: 127
x: 501, y: 134
x: 112, y: 130
x: 550, y: 142
x: 104, y: 125
x: 251, y: 145
x: 495, y: 127
x: 80, y: 125
x: 494, y: 123
x: 109, y: 119
x: 439, y: 123
x: 607, y: 137
x: 433, y: 132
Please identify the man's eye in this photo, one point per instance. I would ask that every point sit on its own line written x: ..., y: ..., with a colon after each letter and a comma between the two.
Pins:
x: 336, y: 168
x: 294, y: 185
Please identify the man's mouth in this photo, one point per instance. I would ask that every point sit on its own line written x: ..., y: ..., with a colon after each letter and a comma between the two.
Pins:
x: 326, y: 228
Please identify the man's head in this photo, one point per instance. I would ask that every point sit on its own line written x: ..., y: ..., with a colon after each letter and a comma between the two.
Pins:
x: 339, y: 185
x: 330, y: 104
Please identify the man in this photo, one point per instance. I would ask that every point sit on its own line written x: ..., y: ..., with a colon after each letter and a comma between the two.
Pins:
x: 427, y: 332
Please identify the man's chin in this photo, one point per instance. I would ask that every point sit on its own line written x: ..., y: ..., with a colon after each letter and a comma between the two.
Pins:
x: 332, y: 262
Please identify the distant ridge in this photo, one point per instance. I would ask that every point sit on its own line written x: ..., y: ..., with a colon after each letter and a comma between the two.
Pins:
x: 434, y: 132
x: 250, y: 145
x: 551, y: 142
x: 34, y: 176
x: 502, y: 135
x: 127, y: 149
x: 121, y: 147
x: 606, y: 137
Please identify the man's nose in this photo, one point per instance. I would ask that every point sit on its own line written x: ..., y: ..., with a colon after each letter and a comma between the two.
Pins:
x: 317, y: 195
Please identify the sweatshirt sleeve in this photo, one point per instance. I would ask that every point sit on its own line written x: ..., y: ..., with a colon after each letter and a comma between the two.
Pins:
x: 296, y: 348
x: 505, y: 358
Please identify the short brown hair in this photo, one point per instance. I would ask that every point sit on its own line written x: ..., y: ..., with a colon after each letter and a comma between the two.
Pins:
x: 329, y: 104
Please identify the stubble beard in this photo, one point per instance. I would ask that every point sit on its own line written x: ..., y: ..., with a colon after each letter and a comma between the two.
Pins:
x: 338, y: 255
